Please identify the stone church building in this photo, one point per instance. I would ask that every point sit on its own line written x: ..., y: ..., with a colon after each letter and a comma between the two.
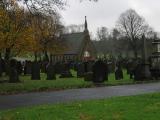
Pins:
x: 80, y: 46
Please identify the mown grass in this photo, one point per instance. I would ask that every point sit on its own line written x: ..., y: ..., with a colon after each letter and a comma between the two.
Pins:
x: 28, y: 85
x: 141, y: 107
x: 125, y: 80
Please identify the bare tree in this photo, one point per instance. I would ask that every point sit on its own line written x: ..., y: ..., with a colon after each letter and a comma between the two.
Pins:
x: 102, y: 33
x: 133, y: 26
x: 115, y: 33
x: 74, y: 28
x: 103, y: 43
x: 7, y: 4
x: 46, y: 6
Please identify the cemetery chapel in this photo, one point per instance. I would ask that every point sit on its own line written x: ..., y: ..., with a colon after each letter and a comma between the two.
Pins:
x: 80, y: 46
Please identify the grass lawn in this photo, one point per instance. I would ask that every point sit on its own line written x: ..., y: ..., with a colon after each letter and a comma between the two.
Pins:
x: 142, y: 107
x: 28, y: 85
x: 112, y: 81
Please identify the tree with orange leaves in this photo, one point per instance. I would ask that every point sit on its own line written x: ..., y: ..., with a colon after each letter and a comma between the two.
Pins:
x: 46, y: 32
x: 14, y: 30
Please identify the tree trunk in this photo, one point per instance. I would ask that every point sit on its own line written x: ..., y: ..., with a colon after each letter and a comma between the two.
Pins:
x: 135, y: 53
x: 51, y: 58
x: 13, y: 75
x: 7, y: 53
x: 0, y: 66
x: 7, y: 63
x: 134, y: 47
x: 46, y: 58
x: 35, y: 56
x: 40, y: 57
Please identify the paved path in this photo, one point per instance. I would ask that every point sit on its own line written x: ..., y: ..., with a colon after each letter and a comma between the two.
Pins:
x: 29, y: 99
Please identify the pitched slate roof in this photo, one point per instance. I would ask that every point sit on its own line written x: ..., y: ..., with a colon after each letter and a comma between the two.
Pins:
x: 74, y: 42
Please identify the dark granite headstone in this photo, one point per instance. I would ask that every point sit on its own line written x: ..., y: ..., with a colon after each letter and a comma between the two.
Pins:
x: 3, y: 65
x: 131, y: 66
x: 140, y: 72
x: 58, y: 68
x: 118, y: 72
x: 137, y: 71
x: 43, y: 66
x: 90, y: 66
x: 1, y: 71
x: 99, y: 72
x: 7, y: 67
x: 35, y: 73
x: 73, y: 65
x: 144, y: 72
x: 27, y: 67
x: 88, y: 76
x: 19, y: 68
x: 13, y: 74
x: 155, y: 73
x: 50, y: 70
x: 66, y: 73
x: 80, y: 69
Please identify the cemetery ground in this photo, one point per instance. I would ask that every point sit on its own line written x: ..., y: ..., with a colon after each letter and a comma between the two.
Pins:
x: 139, y: 107
x: 28, y: 85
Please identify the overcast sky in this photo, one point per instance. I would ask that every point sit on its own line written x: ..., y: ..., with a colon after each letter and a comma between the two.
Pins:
x: 106, y: 12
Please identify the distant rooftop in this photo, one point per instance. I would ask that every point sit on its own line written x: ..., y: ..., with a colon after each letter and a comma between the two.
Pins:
x: 73, y: 40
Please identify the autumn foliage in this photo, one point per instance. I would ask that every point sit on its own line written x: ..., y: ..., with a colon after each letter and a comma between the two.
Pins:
x: 22, y: 32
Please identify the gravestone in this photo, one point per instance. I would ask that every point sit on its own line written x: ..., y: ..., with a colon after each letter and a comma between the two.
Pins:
x: 111, y: 66
x: 7, y: 67
x: 100, y: 72
x: 90, y: 66
x: 88, y: 76
x: 66, y: 73
x: 13, y: 74
x: 50, y: 70
x: 58, y: 68
x: 85, y: 67
x: 3, y: 65
x: 118, y: 72
x: 80, y: 69
x: 1, y: 71
x: 132, y: 66
x: 73, y: 65
x: 143, y: 71
x: 19, y: 68
x: 155, y: 59
x: 137, y: 72
x: 35, y: 71
x: 27, y: 68
x: 43, y: 66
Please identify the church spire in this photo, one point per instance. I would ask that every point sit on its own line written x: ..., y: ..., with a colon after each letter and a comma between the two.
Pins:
x: 86, y: 26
